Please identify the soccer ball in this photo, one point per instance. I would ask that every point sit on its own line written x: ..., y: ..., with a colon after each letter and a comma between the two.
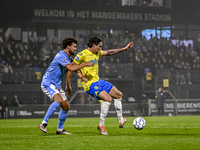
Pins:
x: 139, y: 123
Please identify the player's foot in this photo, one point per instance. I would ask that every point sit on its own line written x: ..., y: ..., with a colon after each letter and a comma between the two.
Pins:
x: 63, y: 132
x: 43, y: 127
x: 121, y: 125
x: 102, y: 130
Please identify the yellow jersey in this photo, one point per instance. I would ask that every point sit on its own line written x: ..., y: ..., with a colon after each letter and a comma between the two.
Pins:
x: 91, y: 73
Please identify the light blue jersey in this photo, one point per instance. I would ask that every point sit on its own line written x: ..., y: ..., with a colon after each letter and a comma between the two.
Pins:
x: 56, y: 70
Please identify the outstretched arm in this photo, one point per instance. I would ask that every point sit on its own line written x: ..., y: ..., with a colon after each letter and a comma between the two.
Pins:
x: 115, y: 51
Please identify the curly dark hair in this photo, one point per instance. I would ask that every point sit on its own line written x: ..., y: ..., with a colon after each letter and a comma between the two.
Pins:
x: 93, y: 40
x: 68, y: 41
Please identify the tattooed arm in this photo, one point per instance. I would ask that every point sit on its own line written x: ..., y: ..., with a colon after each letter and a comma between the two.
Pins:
x: 115, y: 51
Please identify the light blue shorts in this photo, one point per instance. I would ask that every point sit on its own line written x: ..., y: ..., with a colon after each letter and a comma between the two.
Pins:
x: 51, y: 90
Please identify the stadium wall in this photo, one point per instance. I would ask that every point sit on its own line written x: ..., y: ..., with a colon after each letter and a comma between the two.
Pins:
x: 75, y: 111
x: 184, y: 107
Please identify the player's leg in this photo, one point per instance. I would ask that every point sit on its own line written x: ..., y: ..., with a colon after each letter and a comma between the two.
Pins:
x: 54, y: 94
x: 117, y: 96
x: 53, y: 107
x: 63, y: 114
x: 103, y: 95
x: 98, y: 92
x: 105, y: 106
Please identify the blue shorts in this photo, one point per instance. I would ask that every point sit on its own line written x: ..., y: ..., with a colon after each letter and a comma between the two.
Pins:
x: 99, y: 86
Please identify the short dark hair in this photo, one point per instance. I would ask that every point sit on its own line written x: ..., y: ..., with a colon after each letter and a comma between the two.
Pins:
x: 68, y: 41
x: 93, y: 40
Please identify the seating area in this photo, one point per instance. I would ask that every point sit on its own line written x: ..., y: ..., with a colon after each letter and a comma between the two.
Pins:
x: 26, y: 62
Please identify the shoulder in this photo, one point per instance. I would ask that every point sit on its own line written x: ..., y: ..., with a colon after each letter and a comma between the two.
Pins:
x: 62, y: 57
x: 80, y: 56
x: 58, y: 54
x: 62, y: 54
x: 82, y: 53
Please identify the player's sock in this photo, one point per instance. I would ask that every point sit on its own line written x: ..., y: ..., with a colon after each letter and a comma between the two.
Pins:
x: 44, y: 122
x: 62, y: 117
x: 118, y: 108
x: 51, y: 110
x: 104, y: 111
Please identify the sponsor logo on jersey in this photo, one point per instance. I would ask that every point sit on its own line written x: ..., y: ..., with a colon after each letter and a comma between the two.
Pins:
x: 96, y: 87
x: 65, y: 60
x: 94, y: 61
x: 76, y: 58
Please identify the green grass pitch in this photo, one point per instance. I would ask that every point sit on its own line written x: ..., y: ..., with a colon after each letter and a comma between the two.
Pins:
x: 160, y: 133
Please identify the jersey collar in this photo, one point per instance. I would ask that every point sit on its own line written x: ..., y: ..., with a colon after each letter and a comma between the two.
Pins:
x: 65, y: 53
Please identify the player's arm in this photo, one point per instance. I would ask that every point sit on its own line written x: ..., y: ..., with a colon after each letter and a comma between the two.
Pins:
x: 79, y: 73
x: 74, y: 67
x: 83, y: 78
x: 116, y: 51
x: 68, y: 89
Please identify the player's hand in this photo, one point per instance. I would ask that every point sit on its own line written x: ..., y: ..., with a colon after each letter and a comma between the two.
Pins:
x: 130, y: 45
x: 68, y: 90
x: 84, y: 79
x: 88, y: 63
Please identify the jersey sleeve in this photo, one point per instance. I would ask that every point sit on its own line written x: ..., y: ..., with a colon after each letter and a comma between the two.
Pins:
x: 100, y: 53
x: 79, y: 58
x: 63, y: 60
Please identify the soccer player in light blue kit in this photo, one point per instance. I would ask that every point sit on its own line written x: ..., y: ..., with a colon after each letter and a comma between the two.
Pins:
x: 51, y: 83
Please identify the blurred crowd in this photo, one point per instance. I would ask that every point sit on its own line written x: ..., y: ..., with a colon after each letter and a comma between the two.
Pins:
x: 151, y: 56
x: 21, y: 61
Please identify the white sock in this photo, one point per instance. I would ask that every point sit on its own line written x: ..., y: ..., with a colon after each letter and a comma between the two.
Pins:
x: 44, y: 122
x: 118, y: 108
x: 60, y: 130
x: 104, y: 111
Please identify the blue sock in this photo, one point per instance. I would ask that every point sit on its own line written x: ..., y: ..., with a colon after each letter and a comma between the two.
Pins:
x: 62, y: 117
x: 51, y: 110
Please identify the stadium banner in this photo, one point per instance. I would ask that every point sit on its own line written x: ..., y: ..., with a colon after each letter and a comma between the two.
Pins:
x: 97, y: 15
x: 75, y: 111
x: 184, y: 107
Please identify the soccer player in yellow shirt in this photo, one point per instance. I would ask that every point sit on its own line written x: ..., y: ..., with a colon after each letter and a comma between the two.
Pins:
x: 96, y: 87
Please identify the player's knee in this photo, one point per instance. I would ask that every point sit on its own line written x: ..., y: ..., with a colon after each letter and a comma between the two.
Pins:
x: 65, y: 105
x: 119, y: 95
x: 108, y: 99
x: 65, y: 108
